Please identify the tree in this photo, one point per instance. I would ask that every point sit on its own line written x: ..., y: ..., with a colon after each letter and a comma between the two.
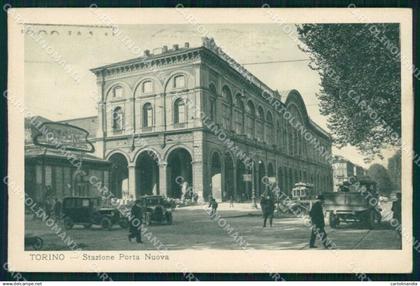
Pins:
x: 380, y: 175
x: 394, y: 169
x: 359, y: 67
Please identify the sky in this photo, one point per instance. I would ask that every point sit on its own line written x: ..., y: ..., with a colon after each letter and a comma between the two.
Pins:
x: 55, y: 93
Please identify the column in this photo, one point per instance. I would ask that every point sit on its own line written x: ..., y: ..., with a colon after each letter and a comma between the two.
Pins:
x: 132, y: 181
x: 198, y: 179
x: 163, y: 178
x: 235, y: 182
x: 223, y: 178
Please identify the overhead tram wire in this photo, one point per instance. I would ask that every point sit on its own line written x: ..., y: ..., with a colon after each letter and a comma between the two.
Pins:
x: 273, y: 62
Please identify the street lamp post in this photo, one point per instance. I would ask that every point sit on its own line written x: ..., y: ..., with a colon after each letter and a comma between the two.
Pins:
x: 254, y: 195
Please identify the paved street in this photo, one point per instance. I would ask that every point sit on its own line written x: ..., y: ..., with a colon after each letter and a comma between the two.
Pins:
x: 193, y: 229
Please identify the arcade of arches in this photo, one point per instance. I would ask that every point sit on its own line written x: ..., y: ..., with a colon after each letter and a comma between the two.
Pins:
x: 147, y: 174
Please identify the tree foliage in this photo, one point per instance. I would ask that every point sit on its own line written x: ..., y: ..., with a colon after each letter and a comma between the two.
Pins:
x: 359, y: 67
x: 394, y: 169
x: 380, y: 175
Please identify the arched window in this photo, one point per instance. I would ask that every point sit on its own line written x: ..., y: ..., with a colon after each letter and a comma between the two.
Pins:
x: 117, y: 118
x: 228, y: 103
x: 251, y: 118
x: 147, y: 87
x: 260, y: 126
x: 117, y: 91
x: 240, y: 123
x: 147, y: 115
x: 270, y: 131
x: 212, y: 109
x: 179, y: 111
x: 260, y: 113
x: 213, y: 95
x: 179, y: 81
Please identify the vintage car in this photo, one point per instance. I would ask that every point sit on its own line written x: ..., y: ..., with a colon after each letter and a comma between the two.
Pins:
x: 87, y: 211
x: 158, y: 210
x: 33, y: 241
x: 356, y: 201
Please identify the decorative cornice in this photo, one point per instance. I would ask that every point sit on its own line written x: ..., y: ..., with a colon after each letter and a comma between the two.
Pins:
x: 152, y: 62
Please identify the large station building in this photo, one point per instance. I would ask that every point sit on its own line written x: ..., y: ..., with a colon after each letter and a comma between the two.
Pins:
x: 184, y: 117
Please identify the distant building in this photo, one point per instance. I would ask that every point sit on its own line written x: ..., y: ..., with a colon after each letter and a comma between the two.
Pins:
x: 51, y: 172
x: 344, y: 169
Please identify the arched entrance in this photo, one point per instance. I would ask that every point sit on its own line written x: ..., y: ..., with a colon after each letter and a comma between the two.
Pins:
x: 242, y: 187
x: 228, y: 191
x: 179, y: 173
x: 216, y: 176
x: 147, y: 174
x: 119, y: 175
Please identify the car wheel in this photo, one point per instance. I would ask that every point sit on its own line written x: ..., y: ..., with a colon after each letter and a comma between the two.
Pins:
x: 106, y: 223
x: 147, y: 218
x: 123, y: 223
x: 369, y: 219
x: 169, y: 218
x: 68, y: 223
x: 334, y: 220
x: 38, y: 243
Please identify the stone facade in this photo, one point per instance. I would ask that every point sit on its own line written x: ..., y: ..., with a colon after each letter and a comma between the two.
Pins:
x: 193, y: 117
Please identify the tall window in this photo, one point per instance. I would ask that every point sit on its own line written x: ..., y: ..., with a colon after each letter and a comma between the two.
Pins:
x: 147, y: 115
x: 179, y: 81
x: 179, y: 111
x: 251, y: 119
x: 241, y: 116
x: 270, y: 131
x: 147, y: 87
x: 213, y: 96
x: 117, y: 91
x: 117, y: 118
x: 212, y: 109
x: 228, y: 110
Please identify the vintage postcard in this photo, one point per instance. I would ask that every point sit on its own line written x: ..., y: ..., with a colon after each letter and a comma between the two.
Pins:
x: 210, y: 140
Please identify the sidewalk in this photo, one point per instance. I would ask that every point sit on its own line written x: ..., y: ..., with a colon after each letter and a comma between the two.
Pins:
x: 238, y: 209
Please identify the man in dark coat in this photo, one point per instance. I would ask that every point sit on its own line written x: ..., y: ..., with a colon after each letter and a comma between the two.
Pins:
x: 57, y: 209
x: 317, y: 218
x: 136, y: 221
x: 213, y: 204
x: 396, y: 212
x: 267, y: 207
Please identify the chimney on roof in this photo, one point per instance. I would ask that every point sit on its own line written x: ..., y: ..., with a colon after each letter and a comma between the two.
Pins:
x: 147, y: 53
x: 187, y: 45
x: 176, y: 47
x: 164, y: 49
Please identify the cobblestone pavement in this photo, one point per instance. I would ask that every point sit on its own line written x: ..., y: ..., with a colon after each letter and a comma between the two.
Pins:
x: 193, y: 229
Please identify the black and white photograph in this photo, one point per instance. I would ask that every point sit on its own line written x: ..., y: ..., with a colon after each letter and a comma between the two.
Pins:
x: 141, y: 139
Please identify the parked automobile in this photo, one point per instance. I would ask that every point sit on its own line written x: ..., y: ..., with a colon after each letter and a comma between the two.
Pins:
x: 87, y: 211
x: 356, y: 201
x: 33, y: 241
x: 158, y: 210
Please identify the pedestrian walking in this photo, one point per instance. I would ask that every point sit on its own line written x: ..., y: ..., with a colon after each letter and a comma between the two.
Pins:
x: 136, y: 222
x: 317, y: 218
x: 213, y: 204
x: 267, y: 207
x: 58, y: 206
x: 396, y: 212
x: 231, y: 201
